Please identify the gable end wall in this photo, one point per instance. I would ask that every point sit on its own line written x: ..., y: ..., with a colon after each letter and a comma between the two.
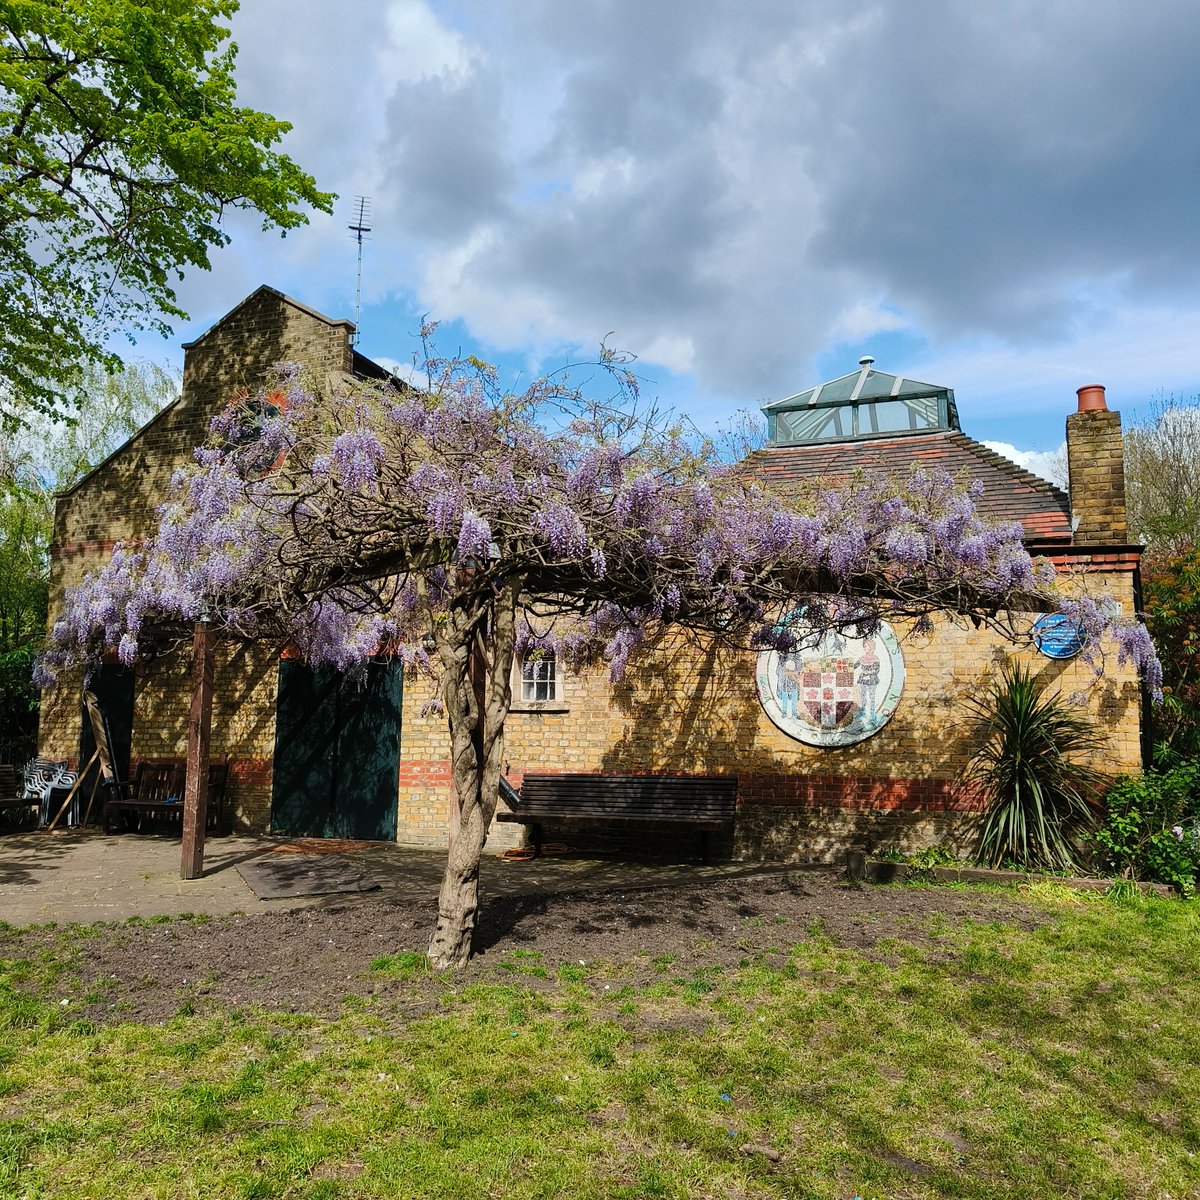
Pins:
x: 118, y: 502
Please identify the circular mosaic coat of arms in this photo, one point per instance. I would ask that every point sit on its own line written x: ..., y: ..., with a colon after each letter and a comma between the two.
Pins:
x: 834, y: 688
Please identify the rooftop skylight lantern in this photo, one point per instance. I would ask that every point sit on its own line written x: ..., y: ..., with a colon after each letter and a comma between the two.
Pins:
x: 864, y: 404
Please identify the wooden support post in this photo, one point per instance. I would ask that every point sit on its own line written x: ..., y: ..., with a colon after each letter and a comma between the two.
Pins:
x: 87, y: 816
x: 195, y: 792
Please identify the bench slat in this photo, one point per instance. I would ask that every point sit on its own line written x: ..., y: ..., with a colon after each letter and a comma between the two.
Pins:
x: 572, y: 818
x: 666, y: 810
x: 673, y: 797
x: 704, y: 802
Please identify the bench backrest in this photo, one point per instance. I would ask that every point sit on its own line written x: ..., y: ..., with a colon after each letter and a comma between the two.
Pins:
x: 155, y: 782
x: 8, y: 782
x: 218, y: 777
x: 674, y: 797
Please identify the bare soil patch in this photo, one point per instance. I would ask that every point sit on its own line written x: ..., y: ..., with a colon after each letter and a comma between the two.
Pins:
x: 311, y: 960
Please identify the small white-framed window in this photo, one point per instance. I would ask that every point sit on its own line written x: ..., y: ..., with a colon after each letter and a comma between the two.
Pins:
x: 540, y: 681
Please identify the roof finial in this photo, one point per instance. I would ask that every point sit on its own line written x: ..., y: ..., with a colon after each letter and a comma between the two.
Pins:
x: 866, y: 360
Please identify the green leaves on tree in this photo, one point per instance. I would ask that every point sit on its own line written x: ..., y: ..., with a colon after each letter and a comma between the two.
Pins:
x: 122, y: 145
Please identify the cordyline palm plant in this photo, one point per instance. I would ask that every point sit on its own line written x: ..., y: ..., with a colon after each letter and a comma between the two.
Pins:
x: 1040, y: 796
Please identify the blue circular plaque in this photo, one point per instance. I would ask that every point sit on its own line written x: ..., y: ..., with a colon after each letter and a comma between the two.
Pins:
x: 1057, y: 636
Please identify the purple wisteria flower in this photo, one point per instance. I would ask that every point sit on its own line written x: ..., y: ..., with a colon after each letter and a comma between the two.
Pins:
x: 474, y: 539
x: 562, y: 528
x: 357, y: 456
x: 349, y: 543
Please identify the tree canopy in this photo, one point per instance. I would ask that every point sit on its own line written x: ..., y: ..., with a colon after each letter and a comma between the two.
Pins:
x: 121, y: 148
x: 1162, y: 448
x: 1173, y: 616
x: 455, y: 525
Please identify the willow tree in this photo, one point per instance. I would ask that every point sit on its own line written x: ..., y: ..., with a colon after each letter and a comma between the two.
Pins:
x: 456, y: 525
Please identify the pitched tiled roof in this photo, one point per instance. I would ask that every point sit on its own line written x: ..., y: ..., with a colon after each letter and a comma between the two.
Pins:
x: 1010, y: 492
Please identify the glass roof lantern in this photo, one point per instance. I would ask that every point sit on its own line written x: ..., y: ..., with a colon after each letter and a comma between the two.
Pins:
x: 864, y: 404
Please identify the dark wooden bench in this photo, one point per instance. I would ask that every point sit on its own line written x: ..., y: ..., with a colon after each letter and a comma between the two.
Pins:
x: 702, y: 802
x: 156, y: 793
x: 11, y: 788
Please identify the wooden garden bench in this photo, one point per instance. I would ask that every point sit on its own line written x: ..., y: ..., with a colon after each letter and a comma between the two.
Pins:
x: 702, y: 802
x: 156, y: 792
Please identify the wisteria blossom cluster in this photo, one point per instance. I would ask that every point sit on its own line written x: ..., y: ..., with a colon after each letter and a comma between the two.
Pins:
x: 364, y: 521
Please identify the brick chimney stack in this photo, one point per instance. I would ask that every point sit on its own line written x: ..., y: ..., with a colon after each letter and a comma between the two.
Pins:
x: 1096, y: 468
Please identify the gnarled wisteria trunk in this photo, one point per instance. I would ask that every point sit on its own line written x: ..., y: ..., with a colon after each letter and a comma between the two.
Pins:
x: 477, y: 691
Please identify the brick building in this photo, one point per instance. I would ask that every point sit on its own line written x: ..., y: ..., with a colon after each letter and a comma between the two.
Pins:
x: 875, y: 760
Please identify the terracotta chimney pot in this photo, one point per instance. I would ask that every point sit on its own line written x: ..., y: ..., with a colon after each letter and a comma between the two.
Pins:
x: 1091, y: 398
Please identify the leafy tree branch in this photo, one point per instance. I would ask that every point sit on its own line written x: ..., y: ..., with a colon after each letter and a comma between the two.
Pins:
x: 121, y: 147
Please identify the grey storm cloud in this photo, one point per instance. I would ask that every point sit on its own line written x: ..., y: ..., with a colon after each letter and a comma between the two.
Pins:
x: 721, y: 181
x: 990, y: 160
x: 446, y: 170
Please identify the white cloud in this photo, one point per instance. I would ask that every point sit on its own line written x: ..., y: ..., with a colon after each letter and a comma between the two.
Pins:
x: 675, y: 353
x: 1047, y: 464
x: 713, y: 181
x: 1135, y: 353
x: 733, y: 188
x: 864, y: 318
x: 421, y: 48
x: 403, y: 370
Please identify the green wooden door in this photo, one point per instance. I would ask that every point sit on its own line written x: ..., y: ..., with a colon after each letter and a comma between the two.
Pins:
x: 337, y: 751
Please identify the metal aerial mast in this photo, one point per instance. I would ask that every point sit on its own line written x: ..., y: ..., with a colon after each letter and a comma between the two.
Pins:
x: 362, y: 213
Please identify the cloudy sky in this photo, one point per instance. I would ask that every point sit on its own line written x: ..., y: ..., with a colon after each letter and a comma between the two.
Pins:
x: 750, y: 194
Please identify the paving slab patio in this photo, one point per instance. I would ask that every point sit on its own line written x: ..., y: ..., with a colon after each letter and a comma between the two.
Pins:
x: 86, y: 876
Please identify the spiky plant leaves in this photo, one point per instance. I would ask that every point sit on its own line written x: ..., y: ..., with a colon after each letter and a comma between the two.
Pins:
x: 1041, y: 797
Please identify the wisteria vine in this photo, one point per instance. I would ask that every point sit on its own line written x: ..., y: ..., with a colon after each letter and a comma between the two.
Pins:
x: 360, y: 522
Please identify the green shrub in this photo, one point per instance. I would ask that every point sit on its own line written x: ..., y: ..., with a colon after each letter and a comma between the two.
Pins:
x: 18, y: 706
x: 1152, y: 829
x: 1040, y: 798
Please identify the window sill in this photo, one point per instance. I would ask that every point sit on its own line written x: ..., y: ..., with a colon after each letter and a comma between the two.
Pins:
x: 539, y: 706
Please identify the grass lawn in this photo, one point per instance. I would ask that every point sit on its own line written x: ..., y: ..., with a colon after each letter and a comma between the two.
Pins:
x: 1062, y: 1061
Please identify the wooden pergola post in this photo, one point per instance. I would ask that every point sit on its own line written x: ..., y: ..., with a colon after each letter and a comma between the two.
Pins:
x: 195, y: 793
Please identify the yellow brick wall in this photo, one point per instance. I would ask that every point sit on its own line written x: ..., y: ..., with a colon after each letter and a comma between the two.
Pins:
x: 690, y: 712
x: 1096, y: 465
x: 680, y: 710
x: 117, y: 502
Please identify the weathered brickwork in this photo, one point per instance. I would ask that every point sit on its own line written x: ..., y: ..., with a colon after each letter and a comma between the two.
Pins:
x: 683, y: 712
x: 243, y: 729
x: 243, y: 725
x: 1096, y: 465
x: 117, y: 502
